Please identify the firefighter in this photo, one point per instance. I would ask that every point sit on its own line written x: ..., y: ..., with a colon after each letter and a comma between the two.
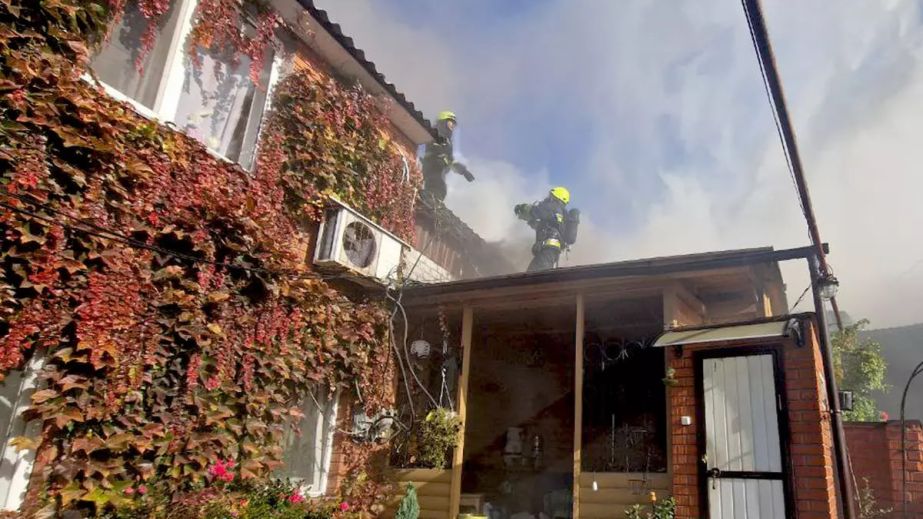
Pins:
x: 438, y: 158
x: 555, y: 227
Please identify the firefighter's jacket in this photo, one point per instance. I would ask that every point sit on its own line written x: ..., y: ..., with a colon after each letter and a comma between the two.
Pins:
x: 548, y: 218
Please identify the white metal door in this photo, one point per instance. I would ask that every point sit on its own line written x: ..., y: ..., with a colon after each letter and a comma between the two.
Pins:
x: 743, y: 457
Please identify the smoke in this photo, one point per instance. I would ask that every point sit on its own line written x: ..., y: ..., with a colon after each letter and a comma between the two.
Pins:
x: 652, y: 112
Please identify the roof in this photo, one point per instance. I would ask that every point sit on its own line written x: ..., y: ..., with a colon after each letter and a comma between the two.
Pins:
x: 486, y: 257
x: 347, y: 44
x: 641, y: 267
x: 447, y: 221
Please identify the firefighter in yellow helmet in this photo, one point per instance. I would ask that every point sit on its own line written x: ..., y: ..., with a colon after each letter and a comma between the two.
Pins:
x: 555, y: 227
x: 438, y: 158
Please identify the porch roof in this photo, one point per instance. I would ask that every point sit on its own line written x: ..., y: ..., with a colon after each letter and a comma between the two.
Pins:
x: 592, y: 277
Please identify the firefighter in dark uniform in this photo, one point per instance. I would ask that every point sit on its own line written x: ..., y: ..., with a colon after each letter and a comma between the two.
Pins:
x: 438, y: 158
x: 555, y: 227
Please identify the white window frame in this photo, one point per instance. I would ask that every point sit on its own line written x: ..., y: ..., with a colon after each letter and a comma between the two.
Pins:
x: 166, y: 102
x: 324, y: 434
x: 16, y: 465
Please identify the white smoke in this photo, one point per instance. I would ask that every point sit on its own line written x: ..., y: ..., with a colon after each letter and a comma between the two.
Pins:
x: 854, y: 80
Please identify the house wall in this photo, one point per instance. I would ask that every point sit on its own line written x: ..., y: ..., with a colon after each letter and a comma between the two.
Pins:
x: 810, y: 436
x: 875, y: 454
x: 307, y: 59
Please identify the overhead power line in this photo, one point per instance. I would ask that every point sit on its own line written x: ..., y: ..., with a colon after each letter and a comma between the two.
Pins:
x: 773, y: 85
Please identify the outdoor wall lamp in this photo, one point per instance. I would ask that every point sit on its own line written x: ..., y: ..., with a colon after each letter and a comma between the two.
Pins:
x: 828, y: 286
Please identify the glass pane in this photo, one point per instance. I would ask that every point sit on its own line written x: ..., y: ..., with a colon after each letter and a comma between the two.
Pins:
x: 116, y: 64
x: 220, y: 106
x: 304, y: 448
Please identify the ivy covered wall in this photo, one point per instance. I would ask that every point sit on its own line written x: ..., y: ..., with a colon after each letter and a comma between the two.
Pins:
x: 167, y: 290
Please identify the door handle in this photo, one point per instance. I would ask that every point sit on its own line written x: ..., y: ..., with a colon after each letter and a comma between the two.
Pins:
x: 714, y: 474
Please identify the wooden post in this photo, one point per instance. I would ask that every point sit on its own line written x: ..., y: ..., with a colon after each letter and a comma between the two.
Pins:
x: 578, y: 401
x: 459, y: 451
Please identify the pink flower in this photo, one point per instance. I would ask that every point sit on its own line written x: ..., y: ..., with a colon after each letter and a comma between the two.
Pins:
x: 142, y: 489
x: 295, y: 498
x: 884, y: 416
x: 221, y: 470
x: 129, y: 491
x: 344, y: 506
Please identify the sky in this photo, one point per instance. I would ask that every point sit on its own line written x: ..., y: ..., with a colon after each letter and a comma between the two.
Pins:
x: 653, y: 114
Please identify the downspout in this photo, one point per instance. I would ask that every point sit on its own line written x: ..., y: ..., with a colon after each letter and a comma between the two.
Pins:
x: 841, y: 456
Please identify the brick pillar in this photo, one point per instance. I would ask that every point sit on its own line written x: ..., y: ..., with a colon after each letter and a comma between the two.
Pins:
x: 684, y: 448
x: 875, y: 452
x: 811, y: 441
x: 914, y: 490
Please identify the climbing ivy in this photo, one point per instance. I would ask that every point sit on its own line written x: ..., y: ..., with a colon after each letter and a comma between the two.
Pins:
x: 166, y: 290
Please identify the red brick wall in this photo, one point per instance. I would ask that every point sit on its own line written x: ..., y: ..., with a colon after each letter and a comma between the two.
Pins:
x: 810, y: 438
x: 874, y: 450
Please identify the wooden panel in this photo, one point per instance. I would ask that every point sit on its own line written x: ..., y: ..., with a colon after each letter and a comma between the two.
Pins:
x: 435, y: 503
x: 622, y: 496
x: 459, y: 451
x: 602, y: 511
x: 578, y: 400
x: 622, y: 479
x: 443, y: 476
x: 432, y: 514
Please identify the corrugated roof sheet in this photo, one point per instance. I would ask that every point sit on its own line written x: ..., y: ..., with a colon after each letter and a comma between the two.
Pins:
x: 724, y: 333
x: 347, y: 43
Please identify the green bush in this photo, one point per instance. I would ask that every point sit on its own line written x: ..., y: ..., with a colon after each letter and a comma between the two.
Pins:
x: 666, y: 509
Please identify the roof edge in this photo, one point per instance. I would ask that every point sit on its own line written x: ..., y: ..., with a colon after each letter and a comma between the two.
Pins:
x: 344, y: 41
x: 640, y: 267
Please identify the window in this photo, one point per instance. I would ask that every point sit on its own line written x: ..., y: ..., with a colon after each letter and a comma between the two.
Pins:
x: 117, y: 64
x: 214, y: 102
x: 308, y: 449
x: 220, y: 106
x: 16, y: 466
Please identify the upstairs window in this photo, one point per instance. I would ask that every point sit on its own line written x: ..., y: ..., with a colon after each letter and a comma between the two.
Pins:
x: 211, y: 98
x: 121, y: 65
x: 220, y: 105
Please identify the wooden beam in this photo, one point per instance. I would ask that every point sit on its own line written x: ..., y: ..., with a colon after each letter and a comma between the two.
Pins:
x: 578, y: 401
x: 458, y: 454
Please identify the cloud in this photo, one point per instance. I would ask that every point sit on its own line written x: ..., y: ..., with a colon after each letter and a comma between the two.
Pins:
x: 654, y: 114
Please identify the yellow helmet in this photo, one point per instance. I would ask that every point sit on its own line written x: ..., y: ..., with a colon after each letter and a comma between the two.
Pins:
x: 561, y: 193
x: 447, y: 116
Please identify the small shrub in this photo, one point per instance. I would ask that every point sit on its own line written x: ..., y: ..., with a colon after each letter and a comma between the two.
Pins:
x: 868, y: 504
x: 666, y: 509
x: 410, y: 507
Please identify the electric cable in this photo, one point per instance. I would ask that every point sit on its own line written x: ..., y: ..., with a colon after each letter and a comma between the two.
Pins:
x: 800, y: 298
x: 772, y: 105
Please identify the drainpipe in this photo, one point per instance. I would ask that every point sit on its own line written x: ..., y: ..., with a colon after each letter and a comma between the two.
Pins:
x: 841, y: 456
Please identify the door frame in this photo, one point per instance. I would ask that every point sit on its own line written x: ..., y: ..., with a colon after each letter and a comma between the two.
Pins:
x: 774, y: 350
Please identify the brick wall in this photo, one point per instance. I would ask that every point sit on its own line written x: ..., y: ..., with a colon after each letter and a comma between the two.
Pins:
x: 810, y: 437
x: 874, y: 450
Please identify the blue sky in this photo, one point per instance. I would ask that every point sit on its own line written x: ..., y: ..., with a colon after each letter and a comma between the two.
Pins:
x: 653, y: 113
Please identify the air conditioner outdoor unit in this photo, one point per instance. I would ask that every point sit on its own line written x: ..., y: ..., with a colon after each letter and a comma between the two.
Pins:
x: 351, y: 243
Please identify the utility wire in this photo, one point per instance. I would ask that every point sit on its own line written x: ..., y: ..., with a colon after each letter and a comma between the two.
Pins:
x: 800, y: 298
x: 773, y: 86
x: 773, y: 109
